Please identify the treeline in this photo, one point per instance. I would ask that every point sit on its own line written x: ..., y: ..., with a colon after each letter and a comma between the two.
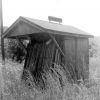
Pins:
x: 94, y: 47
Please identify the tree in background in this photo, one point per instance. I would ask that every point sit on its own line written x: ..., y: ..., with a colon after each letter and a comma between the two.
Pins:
x: 15, y: 51
x: 93, y: 48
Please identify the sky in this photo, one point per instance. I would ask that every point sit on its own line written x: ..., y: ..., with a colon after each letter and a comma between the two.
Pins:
x: 83, y: 14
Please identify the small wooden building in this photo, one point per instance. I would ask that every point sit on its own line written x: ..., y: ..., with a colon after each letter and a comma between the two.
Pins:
x: 71, y: 44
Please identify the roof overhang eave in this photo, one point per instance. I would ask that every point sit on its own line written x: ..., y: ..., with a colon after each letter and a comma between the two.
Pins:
x: 69, y: 34
x: 7, y: 32
x: 56, y: 33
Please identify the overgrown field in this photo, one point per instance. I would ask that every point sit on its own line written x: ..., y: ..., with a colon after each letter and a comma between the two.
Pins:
x: 58, y: 88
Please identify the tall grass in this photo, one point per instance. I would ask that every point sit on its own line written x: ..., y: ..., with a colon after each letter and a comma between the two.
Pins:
x: 57, y: 88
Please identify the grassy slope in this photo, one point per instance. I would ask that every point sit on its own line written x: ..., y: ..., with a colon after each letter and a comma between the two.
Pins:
x: 95, y: 69
x: 15, y: 90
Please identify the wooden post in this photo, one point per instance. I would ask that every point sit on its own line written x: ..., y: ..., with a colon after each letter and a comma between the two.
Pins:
x: 3, y: 56
x: 1, y: 30
x: 54, y: 40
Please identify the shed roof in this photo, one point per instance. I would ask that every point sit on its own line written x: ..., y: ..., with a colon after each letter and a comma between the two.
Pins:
x: 24, y: 26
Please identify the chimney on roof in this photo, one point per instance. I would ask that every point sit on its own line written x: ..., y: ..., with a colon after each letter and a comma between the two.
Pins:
x: 54, y: 19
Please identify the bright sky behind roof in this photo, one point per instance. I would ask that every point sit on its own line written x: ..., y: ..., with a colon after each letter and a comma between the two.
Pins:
x: 83, y: 14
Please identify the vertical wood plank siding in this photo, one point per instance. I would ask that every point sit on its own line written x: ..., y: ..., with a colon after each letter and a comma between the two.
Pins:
x: 70, y: 60
x: 83, y: 58
x: 76, y: 60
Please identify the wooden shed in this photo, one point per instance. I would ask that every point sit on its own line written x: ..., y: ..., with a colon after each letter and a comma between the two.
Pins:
x: 61, y: 44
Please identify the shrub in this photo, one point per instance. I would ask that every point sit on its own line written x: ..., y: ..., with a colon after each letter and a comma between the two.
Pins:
x: 15, y: 51
x: 93, y: 48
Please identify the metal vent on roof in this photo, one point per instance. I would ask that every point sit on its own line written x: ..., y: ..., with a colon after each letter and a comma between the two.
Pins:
x: 54, y: 19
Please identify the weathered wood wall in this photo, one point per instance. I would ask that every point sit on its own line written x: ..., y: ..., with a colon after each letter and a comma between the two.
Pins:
x: 76, y: 58
x: 83, y: 58
x: 70, y: 57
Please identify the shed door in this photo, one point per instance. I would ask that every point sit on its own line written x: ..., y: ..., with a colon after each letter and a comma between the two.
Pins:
x: 70, y: 58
